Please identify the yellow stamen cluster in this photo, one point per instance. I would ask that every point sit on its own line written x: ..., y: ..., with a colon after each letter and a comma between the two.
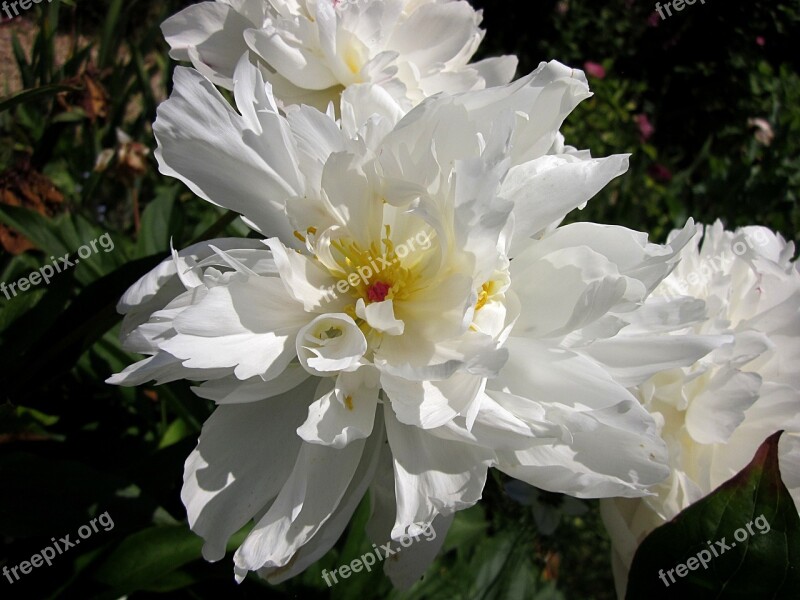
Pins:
x: 488, y: 289
x: 384, y: 265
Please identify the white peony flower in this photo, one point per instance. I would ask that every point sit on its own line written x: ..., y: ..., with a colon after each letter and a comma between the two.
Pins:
x: 716, y: 413
x: 311, y: 50
x: 416, y: 317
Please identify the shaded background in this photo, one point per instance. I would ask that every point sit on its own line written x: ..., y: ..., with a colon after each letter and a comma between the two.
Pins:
x: 707, y: 101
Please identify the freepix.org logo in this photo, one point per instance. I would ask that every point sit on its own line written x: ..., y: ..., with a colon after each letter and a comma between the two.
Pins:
x: 715, y: 550
x: 49, y: 553
x: 11, y: 11
x: 378, y: 554
x: 375, y: 266
x: 47, y: 272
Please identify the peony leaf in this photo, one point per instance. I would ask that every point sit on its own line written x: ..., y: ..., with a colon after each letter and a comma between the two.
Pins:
x: 741, y: 541
x: 147, y: 558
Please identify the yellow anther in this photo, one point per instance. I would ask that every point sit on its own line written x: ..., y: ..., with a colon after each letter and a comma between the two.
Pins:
x: 483, y: 295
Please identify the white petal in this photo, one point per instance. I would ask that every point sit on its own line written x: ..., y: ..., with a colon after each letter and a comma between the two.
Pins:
x: 432, y: 476
x: 203, y: 142
x: 330, y: 343
x: 250, y: 325
x: 215, y: 31
x: 498, y: 70
x: 226, y: 484
x: 161, y: 285
x: 544, y: 190
x: 344, y: 413
x: 364, y: 101
x: 564, y: 290
x: 407, y: 566
x: 317, y: 484
x: 713, y: 415
x: 435, y: 33
x: 234, y: 391
x: 629, y: 250
x: 542, y: 100
x: 293, y: 61
x: 305, y: 281
x: 162, y: 368
x: 329, y: 533
x: 588, y: 467
x: 632, y: 360
x: 551, y: 374
x: 415, y: 553
x: 380, y: 316
x: 317, y: 137
x: 430, y: 404
x: 498, y: 428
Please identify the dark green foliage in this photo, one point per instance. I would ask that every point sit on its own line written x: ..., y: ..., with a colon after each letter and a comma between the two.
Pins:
x: 746, y: 534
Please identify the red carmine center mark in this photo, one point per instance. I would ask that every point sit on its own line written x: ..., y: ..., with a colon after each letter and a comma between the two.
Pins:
x: 378, y: 291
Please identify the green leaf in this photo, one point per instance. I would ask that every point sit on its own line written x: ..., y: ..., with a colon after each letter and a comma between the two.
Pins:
x: 177, y: 430
x: 85, y: 321
x: 171, y: 582
x: 468, y: 528
x: 30, y: 95
x: 147, y: 558
x: 110, y: 37
x: 43, y: 232
x: 25, y: 71
x: 743, y: 541
x: 73, y: 116
x: 156, y: 223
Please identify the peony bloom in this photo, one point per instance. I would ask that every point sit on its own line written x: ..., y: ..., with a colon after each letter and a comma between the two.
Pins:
x: 715, y: 414
x: 414, y: 316
x: 311, y: 50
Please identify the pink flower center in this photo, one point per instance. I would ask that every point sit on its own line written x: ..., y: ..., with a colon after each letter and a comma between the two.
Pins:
x: 378, y: 291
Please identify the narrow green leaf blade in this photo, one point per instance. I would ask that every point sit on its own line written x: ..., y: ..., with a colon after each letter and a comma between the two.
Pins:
x: 31, y: 95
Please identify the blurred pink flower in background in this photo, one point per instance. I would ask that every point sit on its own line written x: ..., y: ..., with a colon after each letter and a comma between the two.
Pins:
x: 646, y: 129
x: 594, y: 69
x: 660, y: 173
x: 760, y: 40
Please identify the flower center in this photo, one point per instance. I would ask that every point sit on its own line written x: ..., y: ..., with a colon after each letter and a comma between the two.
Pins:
x: 376, y: 273
x: 373, y: 272
x: 378, y: 291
